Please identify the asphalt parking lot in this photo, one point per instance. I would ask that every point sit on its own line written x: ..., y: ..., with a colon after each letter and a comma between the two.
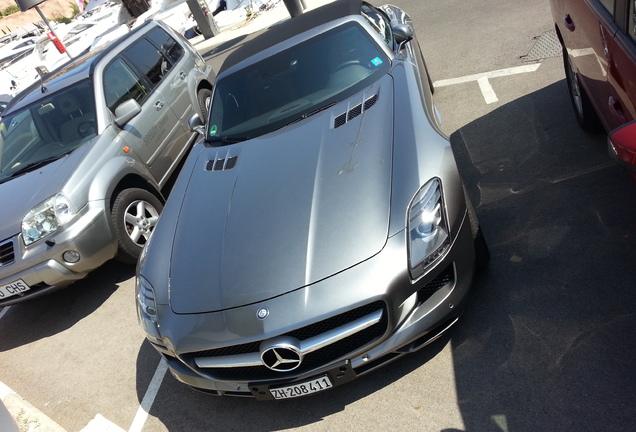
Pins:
x: 546, y: 343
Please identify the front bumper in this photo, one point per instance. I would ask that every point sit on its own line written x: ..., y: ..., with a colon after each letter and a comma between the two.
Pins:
x: 41, y: 265
x: 413, y: 315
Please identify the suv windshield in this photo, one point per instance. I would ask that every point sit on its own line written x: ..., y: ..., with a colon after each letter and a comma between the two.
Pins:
x: 293, y: 84
x: 46, y: 130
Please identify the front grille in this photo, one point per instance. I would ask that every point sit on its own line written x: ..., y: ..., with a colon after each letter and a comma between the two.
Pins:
x: 7, y: 255
x: 311, y: 360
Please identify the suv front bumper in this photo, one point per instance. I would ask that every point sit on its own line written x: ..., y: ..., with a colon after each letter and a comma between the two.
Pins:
x: 42, y: 266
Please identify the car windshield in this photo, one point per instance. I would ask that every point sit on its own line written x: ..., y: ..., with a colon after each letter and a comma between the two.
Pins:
x: 44, y: 131
x: 295, y: 83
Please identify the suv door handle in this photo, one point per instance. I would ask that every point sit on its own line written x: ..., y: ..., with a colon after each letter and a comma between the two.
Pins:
x: 182, y: 75
x: 159, y: 105
x: 569, y: 22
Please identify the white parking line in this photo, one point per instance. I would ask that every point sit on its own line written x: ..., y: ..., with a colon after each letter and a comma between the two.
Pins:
x: 142, y: 413
x: 483, y: 80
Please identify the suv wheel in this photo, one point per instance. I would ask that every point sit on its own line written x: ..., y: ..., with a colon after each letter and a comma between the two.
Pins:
x: 204, y: 97
x: 134, y: 215
x: 583, y: 109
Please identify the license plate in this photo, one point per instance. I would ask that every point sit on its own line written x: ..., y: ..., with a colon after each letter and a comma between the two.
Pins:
x: 13, y: 288
x: 301, y: 389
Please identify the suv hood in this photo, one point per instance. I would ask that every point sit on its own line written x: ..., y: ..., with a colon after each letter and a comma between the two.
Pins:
x: 22, y: 193
x: 298, y: 206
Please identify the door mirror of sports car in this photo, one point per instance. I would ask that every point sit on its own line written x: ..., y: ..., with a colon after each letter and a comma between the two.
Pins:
x: 622, y: 145
x: 126, y: 111
x: 402, y: 33
x: 196, y: 125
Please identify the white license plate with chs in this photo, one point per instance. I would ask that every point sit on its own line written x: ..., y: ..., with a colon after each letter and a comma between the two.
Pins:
x: 301, y: 389
x: 13, y: 288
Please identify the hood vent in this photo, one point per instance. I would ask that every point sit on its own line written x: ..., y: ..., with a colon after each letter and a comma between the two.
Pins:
x: 354, y: 111
x: 221, y: 163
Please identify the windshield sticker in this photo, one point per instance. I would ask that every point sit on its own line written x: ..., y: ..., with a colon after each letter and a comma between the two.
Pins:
x: 376, y: 61
x: 213, y: 130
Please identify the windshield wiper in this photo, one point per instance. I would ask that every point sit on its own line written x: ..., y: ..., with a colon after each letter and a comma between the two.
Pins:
x: 309, y: 114
x: 227, y: 139
x: 35, y: 165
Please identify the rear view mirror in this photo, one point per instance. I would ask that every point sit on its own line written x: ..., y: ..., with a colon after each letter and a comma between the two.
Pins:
x: 196, y: 125
x: 622, y: 145
x: 402, y: 33
x: 126, y: 111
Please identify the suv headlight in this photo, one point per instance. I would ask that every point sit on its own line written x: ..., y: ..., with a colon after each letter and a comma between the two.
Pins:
x: 45, y: 218
x: 427, y: 228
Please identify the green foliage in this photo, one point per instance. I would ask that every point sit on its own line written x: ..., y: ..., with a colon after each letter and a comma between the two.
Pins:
x: 9, y: 10
x: 62, y: 20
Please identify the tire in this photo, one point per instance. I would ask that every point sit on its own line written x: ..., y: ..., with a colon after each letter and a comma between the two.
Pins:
x: 482, y: 252
x: 134, y: 215
x: 203, y: 97
x: 583, y: 108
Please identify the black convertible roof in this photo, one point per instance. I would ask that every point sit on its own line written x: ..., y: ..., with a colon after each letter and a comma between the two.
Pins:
x: 292, y: 27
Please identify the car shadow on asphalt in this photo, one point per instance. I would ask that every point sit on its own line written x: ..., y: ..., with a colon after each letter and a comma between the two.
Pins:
x: 547, y: 342
x: 46, y: 316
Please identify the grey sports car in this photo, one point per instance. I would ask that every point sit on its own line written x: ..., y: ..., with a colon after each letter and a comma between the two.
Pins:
x: 320, y: 229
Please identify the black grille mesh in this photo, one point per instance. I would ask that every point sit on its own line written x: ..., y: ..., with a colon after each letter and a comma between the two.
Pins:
x: 444, y: 278
x: 7, y: 255
x: 355, y: 111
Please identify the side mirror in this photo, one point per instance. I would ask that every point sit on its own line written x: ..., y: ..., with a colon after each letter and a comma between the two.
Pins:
x: 126, y: 111
x: 402, y: 33
x: 196, y: 125
x: 622, y: 145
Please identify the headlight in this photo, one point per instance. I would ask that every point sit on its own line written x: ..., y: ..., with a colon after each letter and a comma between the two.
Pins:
x: 146, y: 299
x: 427, y: 228
x: 147, y: 310
x: 44, y: 219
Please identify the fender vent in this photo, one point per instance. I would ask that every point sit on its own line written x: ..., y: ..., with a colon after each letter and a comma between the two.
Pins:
x: 221, y: 164
x: 354, y: 111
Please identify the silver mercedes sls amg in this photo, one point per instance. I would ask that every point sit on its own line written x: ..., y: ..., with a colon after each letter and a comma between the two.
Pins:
x: 320, y: 229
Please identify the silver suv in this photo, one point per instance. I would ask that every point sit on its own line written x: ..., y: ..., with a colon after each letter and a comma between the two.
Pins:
x: 85, y: 154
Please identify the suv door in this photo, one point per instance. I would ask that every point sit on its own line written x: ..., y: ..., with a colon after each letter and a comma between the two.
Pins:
x: 621, y: 103
x: 174, y: 86
x: 155, y: 134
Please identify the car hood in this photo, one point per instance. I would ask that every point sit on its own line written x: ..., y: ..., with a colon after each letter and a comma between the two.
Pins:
x: 284, y: 210
x: 22, y: 193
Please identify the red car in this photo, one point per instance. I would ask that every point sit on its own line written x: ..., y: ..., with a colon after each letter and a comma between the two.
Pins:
x: 599, y: 56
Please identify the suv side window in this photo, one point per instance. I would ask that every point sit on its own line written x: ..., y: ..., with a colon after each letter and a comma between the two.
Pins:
x: 608, y: 5
x: 148, y: 61
x: 631, y: 29
x: 166, y: 45
x: 121, y: 84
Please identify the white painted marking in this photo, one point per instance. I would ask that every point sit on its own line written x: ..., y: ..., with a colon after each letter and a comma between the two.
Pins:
x: 487, y: 90
x: 4, y: 311
x: 482, y: 79
x: 28, y: 417
x: 101, y: 424
x: 153, y: 388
